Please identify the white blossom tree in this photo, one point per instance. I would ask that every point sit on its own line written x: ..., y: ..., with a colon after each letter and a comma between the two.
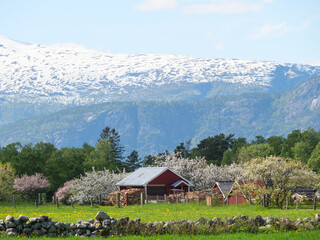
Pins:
x: 282, y: 175
x: 197, y: 170
x: 92, y: 184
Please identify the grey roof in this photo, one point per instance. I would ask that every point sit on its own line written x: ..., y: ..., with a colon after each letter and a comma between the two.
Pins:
x: 225, y: 186
x: 178, y: 182
x: 309, y: 192
x: 142, y: 176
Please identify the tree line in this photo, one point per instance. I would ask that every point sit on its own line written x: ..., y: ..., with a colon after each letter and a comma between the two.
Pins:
x: 226, y: 149
x: 62, y: 165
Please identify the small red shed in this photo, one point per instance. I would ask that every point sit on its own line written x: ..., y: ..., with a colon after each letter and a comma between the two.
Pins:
x: 155, y: 181
x: 224, y: 190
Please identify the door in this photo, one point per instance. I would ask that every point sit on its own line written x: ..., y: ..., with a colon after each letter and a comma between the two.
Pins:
x: 156, y: 190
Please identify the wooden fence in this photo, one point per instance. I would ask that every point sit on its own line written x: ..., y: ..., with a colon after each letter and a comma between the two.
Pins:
x: 209, y: 200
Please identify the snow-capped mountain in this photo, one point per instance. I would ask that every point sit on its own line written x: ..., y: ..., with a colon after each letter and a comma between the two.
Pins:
x: 73, y: 74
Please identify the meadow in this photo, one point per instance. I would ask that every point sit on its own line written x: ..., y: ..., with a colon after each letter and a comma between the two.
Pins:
x: 149, y: 212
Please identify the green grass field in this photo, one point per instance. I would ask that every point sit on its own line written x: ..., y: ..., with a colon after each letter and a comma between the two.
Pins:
x: 150, y: 212
x: 166, y: 212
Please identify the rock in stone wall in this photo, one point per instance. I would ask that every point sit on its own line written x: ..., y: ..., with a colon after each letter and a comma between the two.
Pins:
x: 104, y: 225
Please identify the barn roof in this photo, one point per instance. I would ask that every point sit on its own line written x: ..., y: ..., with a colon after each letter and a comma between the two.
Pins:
x: 225, y: 186
x: 177, y: 183
x: 142, y: 176
x: 309, y: 192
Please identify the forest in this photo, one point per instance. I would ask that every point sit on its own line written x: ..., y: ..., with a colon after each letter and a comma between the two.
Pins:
x: 59, y: 166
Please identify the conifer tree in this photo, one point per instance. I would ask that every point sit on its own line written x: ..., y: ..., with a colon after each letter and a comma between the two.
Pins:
x: 133, y: 161
x: 114, y: 138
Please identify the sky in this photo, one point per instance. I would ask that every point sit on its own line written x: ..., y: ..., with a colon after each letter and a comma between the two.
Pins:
x: 285, y: 31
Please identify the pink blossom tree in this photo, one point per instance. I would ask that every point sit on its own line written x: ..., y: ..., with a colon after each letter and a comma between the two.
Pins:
x: 31, y: 185
x: 63, y: 193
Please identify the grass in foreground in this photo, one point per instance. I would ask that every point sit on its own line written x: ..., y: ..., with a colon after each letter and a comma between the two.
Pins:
x: 149, y: 212
x: 227, y: 236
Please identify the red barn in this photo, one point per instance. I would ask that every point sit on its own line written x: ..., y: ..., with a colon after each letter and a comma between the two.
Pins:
x: 155, y: 181
x: 224, y: 190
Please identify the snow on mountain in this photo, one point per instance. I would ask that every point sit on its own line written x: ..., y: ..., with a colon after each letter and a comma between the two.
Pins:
x: 73, y: 74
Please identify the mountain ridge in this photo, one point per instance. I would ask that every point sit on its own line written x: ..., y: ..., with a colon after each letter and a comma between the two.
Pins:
x: 66, y: 94
x: 154, y: 126
x: 74, y: 75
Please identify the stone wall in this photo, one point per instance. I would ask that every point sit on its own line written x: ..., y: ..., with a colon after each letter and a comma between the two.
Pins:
x: 103, y: 225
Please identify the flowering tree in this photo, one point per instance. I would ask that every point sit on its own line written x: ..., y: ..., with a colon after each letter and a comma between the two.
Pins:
x: 64, y: 192
x: 282, y: 175
x: 94, y: 183
x: 230, y: 172
x: 251, y: 190
x: 198, y: 171
x: 31, y: 185
x: 6, y: 180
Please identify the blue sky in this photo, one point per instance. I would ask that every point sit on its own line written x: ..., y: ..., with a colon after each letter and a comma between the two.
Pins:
x: 275, y: 30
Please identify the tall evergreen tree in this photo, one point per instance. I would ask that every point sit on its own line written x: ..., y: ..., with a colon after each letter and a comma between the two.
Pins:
x: 148, y: 160
x: 103, y: 157
x: 184, y: 149
x: 133, y: 161
x: 114, y: 138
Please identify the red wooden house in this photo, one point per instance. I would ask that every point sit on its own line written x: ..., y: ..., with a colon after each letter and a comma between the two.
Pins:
x: 156, y: 181
x: 224, y: 190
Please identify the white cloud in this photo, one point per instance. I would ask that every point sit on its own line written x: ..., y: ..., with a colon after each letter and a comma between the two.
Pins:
x: 219, y: 47
x: 275, y: 31
x: 270, y: 31
x: 313, y: 62
x: 154, y: 5
x: 223, y: 6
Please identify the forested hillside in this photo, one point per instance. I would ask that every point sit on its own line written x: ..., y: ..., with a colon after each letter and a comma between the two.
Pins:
x: 152, y: 127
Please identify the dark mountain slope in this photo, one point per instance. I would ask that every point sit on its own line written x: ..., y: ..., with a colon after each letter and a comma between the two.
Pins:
x: 156, y: 126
